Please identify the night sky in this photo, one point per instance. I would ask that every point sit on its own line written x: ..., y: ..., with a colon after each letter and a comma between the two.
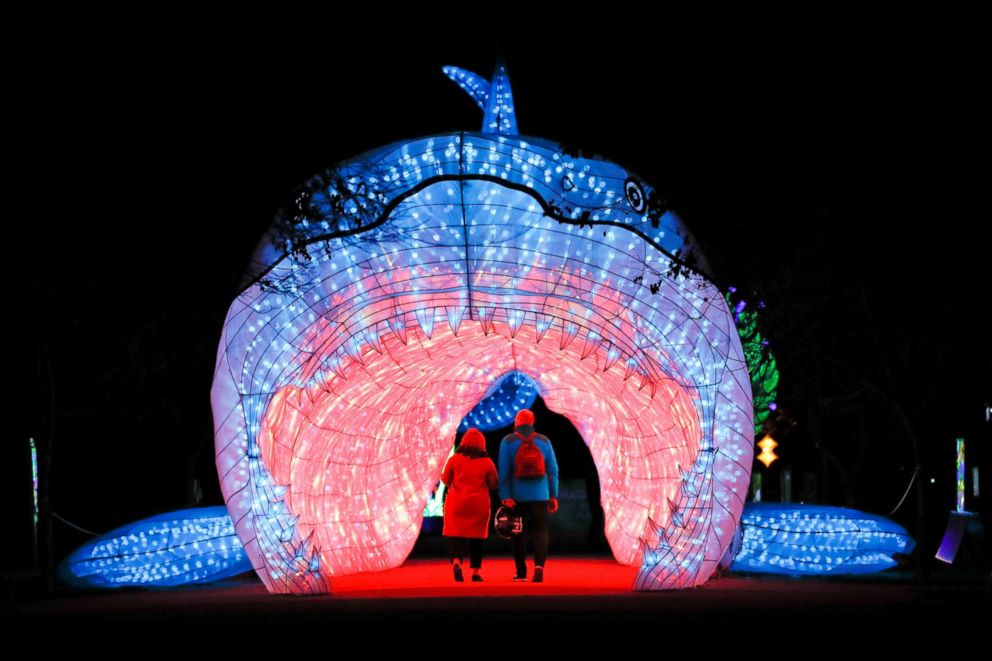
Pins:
x: 834, y: 177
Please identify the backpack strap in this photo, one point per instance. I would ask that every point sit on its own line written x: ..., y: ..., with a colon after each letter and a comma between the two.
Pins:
x: 529, y: 438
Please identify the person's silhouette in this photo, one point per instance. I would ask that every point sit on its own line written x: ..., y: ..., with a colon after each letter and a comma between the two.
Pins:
x: 528, y: 482
x: 469, y: 475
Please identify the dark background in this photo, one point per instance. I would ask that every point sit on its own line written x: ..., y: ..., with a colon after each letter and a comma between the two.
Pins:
x: 831, y: 169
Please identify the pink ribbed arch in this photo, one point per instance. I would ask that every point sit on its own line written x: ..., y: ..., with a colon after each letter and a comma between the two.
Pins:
x: 362, y: 453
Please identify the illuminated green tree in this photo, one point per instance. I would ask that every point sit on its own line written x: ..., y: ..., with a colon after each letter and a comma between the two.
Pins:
x: 760, y: 360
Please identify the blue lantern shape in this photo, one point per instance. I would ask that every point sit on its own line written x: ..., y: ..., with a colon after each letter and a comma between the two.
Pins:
x: 176, y: 548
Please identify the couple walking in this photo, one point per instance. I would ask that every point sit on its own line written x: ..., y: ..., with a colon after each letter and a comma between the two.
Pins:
x: 527, y: 481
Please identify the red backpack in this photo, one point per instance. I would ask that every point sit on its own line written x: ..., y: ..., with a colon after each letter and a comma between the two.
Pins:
x: 530, y: 459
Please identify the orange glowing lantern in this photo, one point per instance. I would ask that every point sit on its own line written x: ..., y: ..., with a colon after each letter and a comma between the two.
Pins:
x: 767, y: 456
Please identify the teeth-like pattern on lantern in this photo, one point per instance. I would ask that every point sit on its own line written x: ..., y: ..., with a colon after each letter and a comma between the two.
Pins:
x: 338, y: 390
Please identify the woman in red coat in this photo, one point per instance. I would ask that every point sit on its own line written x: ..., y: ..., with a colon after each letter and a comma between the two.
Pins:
x: 469, y: 475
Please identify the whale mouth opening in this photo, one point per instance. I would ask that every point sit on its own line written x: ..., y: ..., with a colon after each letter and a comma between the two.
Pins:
x: 414, y: 343
x: 362, y: 453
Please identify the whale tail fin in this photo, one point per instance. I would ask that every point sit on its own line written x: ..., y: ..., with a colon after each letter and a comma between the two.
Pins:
x: 494, y: 97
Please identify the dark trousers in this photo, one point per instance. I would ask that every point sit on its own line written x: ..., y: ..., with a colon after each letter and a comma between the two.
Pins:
x: 535, y: 514
x: 458, y: 546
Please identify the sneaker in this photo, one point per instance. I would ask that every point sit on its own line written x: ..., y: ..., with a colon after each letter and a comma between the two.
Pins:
x: 520, y: 577
x: 538, y: 574
x: 458, y: 574
x: 476, y: 578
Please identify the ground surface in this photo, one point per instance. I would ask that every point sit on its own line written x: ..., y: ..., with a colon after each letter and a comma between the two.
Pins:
x: 576, y: 590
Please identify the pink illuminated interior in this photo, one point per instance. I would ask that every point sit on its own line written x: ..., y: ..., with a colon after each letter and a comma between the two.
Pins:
x: 363, y: 446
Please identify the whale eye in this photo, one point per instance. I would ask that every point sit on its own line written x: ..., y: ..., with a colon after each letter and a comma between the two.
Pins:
x: 635, y: 195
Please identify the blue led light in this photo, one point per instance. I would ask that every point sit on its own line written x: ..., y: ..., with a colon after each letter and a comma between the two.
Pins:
x: 514, y: 391
x: 176, y: 548
x: 800, y: 539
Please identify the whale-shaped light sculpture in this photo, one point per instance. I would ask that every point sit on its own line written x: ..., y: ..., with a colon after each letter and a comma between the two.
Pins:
x: 398, y: 287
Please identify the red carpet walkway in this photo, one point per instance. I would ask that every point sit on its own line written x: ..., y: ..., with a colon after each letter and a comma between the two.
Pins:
x: 433, y: 578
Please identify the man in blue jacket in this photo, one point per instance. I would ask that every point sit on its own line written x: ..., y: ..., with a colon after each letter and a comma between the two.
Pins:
x: 530, y: 493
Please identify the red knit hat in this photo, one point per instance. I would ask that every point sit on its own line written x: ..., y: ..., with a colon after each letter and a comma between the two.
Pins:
x: 473, y: 438
x: 524, y: 417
